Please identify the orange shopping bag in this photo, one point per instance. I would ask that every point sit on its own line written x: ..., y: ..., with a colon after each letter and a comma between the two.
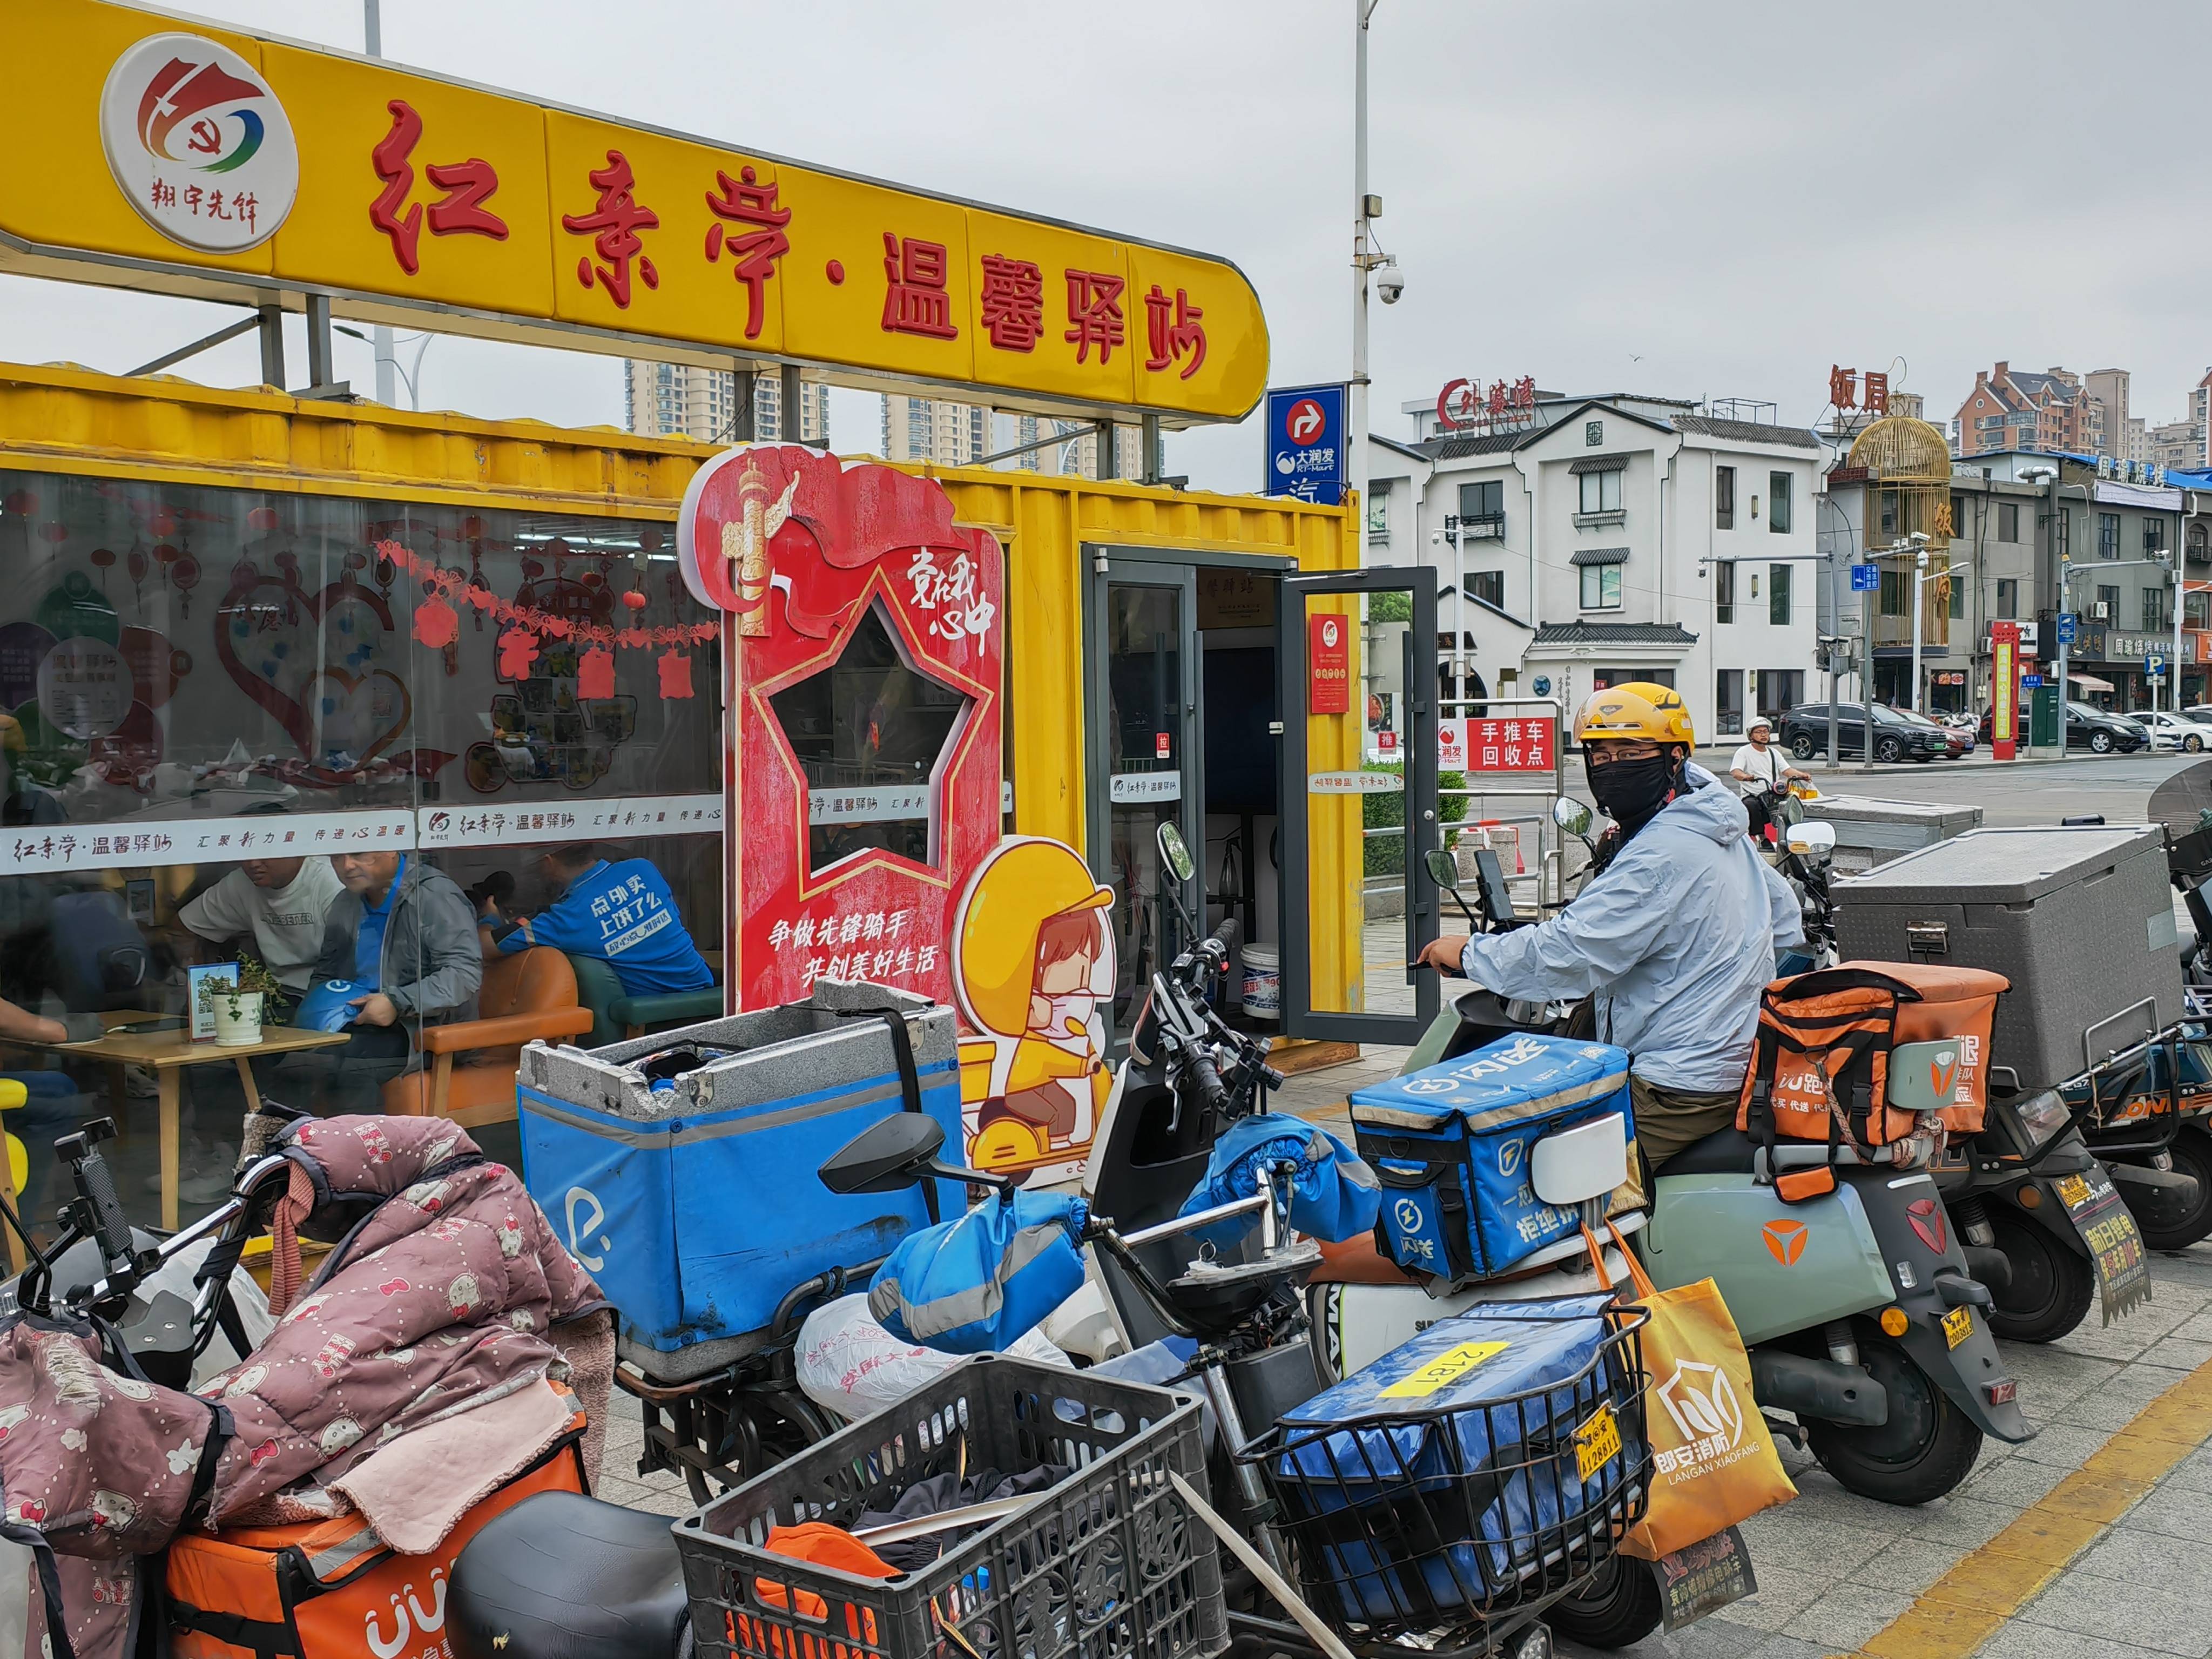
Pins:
x: 1712, y: 1461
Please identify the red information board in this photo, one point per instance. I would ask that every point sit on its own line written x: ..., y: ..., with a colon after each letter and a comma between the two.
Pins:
x: 1329, y: 664
x: 1511, y: 745
x: 2004, y: 689
x: 861, y: 678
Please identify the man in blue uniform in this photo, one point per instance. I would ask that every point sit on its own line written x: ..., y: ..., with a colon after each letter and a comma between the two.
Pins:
x: 622, y: 913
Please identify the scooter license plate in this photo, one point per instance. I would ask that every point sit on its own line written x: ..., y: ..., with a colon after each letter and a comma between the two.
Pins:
x: 1596, y: 1442
x: 1958, y: 1326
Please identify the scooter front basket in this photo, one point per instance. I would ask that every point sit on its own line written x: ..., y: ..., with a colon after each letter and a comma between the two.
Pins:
x: 1504, y: 1462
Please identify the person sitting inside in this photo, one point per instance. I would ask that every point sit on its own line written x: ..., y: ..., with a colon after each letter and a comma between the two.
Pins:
x: 399, y: 933
x: 623, y: 914
x: 281, y: 902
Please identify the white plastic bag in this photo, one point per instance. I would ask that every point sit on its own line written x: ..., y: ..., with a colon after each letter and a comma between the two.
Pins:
x: 849, y: 1364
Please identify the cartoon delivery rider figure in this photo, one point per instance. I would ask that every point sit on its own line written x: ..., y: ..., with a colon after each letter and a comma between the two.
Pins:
x: 1032, y: 962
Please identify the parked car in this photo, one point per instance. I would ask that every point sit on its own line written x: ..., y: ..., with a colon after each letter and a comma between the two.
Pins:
x: 2177, y: 730
x: 2096, y: 731
x: 1961, y: 740
x: 1804, y: 733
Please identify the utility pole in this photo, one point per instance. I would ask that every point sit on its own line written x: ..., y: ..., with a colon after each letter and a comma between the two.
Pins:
x: 388, y: 388
x: 1865, y: 681
x: 1919, y: 599
x: 1355, y: 436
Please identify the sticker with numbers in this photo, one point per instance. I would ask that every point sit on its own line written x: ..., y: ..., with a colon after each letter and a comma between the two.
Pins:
x: 1597, y: 1442
x: 1446, y: 1369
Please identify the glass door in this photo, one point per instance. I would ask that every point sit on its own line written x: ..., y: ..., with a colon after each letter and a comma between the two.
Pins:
x: 1144, y: 764
x: 1358, y: 818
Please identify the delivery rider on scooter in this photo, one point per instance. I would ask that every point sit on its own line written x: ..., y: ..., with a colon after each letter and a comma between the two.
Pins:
x: 1674, y: 939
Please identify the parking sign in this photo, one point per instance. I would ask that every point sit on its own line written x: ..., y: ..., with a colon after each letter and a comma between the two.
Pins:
x: 1305, y: 454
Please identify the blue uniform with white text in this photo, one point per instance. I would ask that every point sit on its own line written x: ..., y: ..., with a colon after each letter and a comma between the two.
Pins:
x: 624, y: 914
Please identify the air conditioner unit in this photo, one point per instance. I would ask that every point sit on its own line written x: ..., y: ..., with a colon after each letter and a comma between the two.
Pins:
x: 2100, y: 612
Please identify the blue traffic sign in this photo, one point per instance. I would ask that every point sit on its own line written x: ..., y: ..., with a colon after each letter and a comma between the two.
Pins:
x: 2068, y: 623
x: 1305, y: 443
x: 1865, y: 578
x: 2030, y: 682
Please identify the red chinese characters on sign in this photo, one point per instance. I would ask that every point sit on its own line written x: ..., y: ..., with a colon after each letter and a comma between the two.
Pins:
x: 915, y: 300
x: 810, y: 550
x: 1012, y: 302
x: 755, y: 248
x: 1328, y: 665
x: 468, y: 186
x: 1171, y: 328
x: 1844, y: 389
x: 1463, y: 403
x: 613, y: 225
x: 1094, y: 313
x: 1510, y: 745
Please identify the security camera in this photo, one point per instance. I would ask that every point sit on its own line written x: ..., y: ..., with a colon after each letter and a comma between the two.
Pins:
x: 1390, y: 282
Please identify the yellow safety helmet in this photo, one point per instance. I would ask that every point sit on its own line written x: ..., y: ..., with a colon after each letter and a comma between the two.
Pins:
x: 1023, y: 884
x: 1637, y: 709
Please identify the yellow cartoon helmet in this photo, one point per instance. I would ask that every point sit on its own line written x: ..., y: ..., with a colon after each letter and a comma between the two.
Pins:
x: 1023, y: 884
x: 1637, y: 709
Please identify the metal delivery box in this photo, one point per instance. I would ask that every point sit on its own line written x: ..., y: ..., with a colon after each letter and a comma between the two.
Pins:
x: 2080, y: 920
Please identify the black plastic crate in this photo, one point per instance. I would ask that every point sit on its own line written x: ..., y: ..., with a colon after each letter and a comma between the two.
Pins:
x: 1107, y: 1562
x: 1426, y: 1522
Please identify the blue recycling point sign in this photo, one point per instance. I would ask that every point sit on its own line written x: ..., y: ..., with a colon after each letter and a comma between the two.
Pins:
x: 1865, y: 578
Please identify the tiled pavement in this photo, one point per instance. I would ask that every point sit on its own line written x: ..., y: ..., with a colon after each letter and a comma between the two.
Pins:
x: 1835, y: 1569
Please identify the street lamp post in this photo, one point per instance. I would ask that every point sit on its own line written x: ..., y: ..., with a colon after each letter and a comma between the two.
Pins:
x: 1355, y: 436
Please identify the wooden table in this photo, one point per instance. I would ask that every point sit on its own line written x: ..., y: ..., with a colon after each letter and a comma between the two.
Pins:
x: 167, y: 1052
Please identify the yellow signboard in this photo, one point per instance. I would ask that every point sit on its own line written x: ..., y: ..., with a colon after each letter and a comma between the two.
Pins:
x: 207, y: 162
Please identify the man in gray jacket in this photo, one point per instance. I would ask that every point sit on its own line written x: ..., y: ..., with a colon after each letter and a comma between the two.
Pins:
x: 404, y: 935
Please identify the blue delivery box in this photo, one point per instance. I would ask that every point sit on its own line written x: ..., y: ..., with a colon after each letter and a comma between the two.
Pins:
x: 1438, y: 1481
x: 1451, y: 1144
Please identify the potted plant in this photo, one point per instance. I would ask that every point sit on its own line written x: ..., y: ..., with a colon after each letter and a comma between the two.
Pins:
x: 237, y: 1004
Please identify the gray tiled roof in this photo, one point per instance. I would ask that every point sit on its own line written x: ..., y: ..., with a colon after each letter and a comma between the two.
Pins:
x: 1588, y: 633
x: 1601, y: 463
x: 1458, y: 449
x: 1600, y: 555
x: 1746, y: 432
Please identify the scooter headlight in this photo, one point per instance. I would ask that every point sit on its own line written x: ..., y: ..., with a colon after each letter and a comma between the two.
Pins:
x: 2042, y: 1116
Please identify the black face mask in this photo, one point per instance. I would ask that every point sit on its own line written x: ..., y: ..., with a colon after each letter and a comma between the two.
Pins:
x: 1632, y: 792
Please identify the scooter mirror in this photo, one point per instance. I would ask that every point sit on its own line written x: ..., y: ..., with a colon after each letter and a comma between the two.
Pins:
x: 1443, y: 869
x: 1175, y: 852
x: 1813, y: 839
x: 892, y: 1154
x: 1570, y: 815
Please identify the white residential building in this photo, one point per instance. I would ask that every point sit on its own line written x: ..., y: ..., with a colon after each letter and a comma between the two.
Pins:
x: 662, y: 400
x: 1614, y: 538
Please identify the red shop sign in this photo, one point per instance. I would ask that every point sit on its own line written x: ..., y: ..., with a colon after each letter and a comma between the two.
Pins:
x: 1329, y: 664
x: 865, y: 638
x: 1511, y: 745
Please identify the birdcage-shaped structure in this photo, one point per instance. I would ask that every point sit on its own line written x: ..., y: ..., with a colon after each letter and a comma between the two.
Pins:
x: 1907, y: 467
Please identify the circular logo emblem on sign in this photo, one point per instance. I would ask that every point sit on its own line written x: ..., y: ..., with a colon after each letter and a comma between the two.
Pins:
x: 1329, y: 632
x: 1303, y: 423
x: 199, y: 143
x: 1408, y: 1214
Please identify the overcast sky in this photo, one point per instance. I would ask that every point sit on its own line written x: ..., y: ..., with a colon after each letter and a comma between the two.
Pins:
x: 1717, y: 198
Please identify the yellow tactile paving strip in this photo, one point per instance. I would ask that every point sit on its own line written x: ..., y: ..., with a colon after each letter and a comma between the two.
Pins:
x: 1971, y: 1603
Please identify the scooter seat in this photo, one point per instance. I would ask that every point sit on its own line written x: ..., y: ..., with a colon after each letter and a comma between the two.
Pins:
x: 1724, y: 1151
x: 561, y: 1575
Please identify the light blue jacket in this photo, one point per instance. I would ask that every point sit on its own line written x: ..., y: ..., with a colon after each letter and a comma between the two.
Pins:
x: 1677, y: 937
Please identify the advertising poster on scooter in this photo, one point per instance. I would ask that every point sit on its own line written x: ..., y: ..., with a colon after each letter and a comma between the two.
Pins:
x: 2116, y: 1248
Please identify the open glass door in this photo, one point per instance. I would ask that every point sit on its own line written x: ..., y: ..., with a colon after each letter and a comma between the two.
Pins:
x: 1357, y: 814
x: 1145, y: 740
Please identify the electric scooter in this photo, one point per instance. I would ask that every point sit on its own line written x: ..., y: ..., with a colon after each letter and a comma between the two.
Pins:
x: 1862, y: 1316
